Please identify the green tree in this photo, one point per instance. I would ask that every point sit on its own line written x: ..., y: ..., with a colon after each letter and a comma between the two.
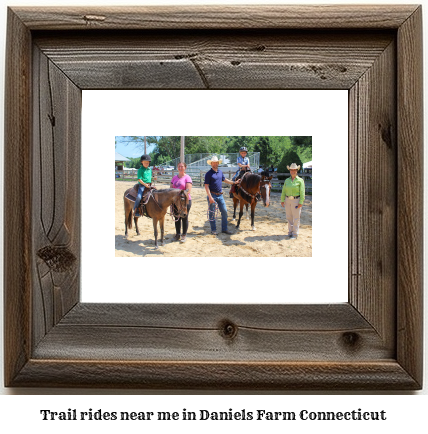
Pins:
x: 271, y: 149
x: 165, y: 146
x: 234, y: 143
x: 303, y: 146
x: 290, y: 156
x: 134, y: 162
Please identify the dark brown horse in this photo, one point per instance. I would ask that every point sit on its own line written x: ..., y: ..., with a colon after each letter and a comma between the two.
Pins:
x: 157, y: 206
x: 248, y: 192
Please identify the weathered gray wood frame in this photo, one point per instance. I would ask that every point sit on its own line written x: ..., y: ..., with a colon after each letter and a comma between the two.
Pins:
x: 372, y: 342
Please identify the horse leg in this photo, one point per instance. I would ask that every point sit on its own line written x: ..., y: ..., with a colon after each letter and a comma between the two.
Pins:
x: 161, y: 224
x: 253, y: 209
x: 155, y: 231
x: 136, y: 225
x: 235, y: 204
x: 246, y: 214
x: 241, y: 212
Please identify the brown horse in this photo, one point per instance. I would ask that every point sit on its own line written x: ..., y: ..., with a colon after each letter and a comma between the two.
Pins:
x: 157, y: 206
x: 248, y: 192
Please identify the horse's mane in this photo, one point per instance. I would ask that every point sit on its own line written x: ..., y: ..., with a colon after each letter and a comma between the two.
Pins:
x: 251, y: 180
x: 166, y: 190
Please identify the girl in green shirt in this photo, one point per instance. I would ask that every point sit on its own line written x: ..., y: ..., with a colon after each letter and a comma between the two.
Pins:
x: 144, y: 179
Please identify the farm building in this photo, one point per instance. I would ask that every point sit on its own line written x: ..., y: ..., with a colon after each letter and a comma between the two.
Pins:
x: 307, y: 167
x: 119, y: 160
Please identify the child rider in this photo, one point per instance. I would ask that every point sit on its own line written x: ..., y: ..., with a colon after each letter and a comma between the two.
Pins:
x: 144, y: 179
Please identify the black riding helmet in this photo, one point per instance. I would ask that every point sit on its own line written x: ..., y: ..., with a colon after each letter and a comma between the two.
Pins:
x: 145, y: 157
x: 243, y: 149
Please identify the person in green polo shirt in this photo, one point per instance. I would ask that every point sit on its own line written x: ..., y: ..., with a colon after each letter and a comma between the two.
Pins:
x: 144, y: 179
x: 292, y: 198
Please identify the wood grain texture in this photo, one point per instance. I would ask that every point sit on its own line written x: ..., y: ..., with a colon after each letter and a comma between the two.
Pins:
x: 410, y: 202
x: 386, y: 375
x: 216, y: 17
x: 17, y: 200
x: 199, y: 332
x: 372, y: 342
x: 373, y: 162
x: 216, y: 59
x: 56, y: 198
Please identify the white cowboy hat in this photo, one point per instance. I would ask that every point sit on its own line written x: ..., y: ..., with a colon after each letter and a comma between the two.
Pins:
x: 214, y: 160
x: 293, y: 167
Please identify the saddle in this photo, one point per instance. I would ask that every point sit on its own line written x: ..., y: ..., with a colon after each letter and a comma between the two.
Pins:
x: 234, y: 188
x: 242, y: 172
x: 239, y: 188
x: 132, y: 196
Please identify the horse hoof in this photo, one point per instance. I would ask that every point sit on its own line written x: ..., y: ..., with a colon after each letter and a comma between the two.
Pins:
x: 253, y: 228
x: 234, y: 220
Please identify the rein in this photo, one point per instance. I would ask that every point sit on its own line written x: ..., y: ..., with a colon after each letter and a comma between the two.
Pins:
x: 175, y: 215
x: 150, y: 195
x: 253, y: 196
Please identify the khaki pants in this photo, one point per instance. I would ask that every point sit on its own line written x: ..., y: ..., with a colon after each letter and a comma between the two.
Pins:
x: 293, y: 216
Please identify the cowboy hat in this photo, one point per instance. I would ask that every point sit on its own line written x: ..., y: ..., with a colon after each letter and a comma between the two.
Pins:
x: 294, y: 166
x: 214, y: 160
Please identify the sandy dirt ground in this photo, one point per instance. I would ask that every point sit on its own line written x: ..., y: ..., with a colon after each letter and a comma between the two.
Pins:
x: 269, y: 238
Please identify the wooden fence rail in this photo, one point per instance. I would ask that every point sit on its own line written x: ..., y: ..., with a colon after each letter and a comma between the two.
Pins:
x: 199, y: 176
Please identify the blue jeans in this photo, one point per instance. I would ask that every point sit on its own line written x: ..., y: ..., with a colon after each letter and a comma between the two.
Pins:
x: 223, y: 210
x: 141, y: 189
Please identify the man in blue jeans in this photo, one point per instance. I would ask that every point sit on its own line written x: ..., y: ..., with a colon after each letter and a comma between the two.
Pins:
x: 213, y: 186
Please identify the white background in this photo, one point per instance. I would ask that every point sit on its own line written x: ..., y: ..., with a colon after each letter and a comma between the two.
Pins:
x: 22, y: 412
x: 322, y: 278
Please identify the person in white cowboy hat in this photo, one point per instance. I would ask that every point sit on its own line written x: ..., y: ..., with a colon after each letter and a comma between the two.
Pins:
x: 292, y: 198
x: 213, y: 186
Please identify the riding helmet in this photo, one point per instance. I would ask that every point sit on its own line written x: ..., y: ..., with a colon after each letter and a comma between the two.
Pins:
x: 145, y: 157
x: 243, y: 149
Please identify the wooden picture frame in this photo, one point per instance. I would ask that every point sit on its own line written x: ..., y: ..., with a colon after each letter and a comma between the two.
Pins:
x: 372, y: 342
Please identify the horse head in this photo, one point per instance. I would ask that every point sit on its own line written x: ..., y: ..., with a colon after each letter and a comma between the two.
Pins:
x: 265, y: 189
x: 181, y: 202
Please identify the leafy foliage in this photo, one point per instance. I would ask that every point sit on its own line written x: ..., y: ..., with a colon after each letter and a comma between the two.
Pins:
x: 133, y: 162
x: 303, y: 146
x: 274, y: 150
x: 290, y: 156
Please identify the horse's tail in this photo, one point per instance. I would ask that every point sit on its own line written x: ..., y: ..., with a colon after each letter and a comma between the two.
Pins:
x: 128, y: 209
x: 129, y: 220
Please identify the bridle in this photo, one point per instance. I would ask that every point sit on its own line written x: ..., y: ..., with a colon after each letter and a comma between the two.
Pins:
x: 253, y: 196
x: 177, y: 215
x: 256, y: 196
x: 174, y: 215
x: 267, y: 185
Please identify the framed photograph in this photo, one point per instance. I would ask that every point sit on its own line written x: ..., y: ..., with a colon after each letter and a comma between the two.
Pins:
x: 308, y: 115
x: 373, y: 341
